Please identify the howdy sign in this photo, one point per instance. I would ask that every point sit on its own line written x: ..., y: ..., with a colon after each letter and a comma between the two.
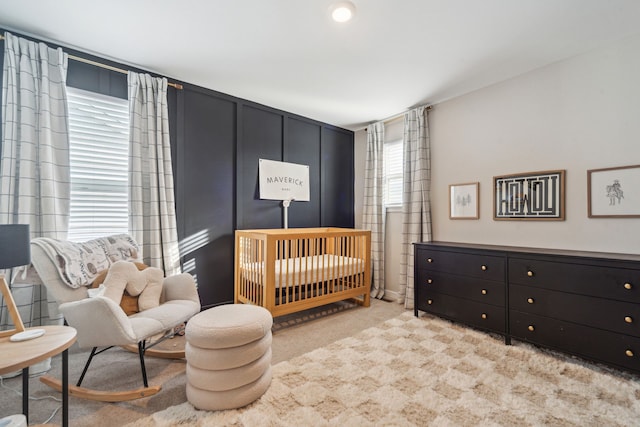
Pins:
x: 283, y: 181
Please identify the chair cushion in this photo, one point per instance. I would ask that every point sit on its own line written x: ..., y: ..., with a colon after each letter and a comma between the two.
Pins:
x: 170, y: 313
x: 162, y: 318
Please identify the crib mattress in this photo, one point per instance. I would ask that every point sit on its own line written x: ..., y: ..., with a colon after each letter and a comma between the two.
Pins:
x: 308, y: 270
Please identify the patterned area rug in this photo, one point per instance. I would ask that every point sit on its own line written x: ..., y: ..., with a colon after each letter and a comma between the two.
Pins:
x: 428, y: 372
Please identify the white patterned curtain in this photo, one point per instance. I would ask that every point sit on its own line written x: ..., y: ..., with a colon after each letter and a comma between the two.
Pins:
x: 416, y: 195
x: 373, y: 215
x: 34, y: 165
x: 152, y: 220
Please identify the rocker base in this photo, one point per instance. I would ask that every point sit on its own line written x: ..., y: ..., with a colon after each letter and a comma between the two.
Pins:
x: 101, y: 396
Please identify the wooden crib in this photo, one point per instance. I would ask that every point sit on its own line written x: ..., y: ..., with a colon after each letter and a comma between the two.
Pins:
x: 288, y: 270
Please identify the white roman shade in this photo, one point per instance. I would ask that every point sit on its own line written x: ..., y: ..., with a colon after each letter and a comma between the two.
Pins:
x: 99, y: 153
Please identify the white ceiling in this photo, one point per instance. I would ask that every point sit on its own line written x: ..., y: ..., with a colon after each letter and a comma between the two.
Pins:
x: 288, y: 54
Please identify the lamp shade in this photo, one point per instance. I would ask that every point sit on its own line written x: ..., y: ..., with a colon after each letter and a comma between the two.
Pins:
x: 15, y: 249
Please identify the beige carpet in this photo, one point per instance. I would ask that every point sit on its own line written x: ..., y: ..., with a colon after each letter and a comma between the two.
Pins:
x: 425, y: 371
x: 117, y: 369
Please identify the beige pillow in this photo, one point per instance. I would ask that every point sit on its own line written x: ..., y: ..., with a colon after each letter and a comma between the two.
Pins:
x: 132, y: 285
x: 129, y: 303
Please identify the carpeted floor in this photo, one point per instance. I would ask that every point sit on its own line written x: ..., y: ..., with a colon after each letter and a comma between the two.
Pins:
x: 118, y: 369
x: 424, y: 371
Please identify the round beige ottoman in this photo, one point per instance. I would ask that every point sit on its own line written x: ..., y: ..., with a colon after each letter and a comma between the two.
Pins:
x: 228, y: 354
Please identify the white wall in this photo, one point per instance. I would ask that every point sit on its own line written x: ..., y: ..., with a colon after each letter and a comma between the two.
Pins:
x: 578, y: 114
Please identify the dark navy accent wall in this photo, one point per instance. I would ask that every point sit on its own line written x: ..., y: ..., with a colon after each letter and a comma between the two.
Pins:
x: 337, y: 178
x: 95, y: 79
x: 216, y: 141
x: 302, y: 146
x: 262, y: 132
x: 205, y: 210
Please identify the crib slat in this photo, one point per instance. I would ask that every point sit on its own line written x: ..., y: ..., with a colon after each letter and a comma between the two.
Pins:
x: 316, y: 253
x: 280, y: 269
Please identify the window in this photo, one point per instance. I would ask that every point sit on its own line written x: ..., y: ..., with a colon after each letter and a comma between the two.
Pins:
x: 393, y: 163
x: 99, y: 162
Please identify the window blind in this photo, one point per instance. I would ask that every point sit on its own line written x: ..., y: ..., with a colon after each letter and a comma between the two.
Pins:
x: 99, y: 153
x: 393, y: 164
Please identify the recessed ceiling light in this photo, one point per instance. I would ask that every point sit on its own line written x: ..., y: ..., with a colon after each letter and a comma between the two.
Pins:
x: 342, y: 11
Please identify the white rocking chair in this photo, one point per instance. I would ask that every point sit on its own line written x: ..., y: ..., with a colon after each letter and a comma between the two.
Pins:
x: 101, y: 323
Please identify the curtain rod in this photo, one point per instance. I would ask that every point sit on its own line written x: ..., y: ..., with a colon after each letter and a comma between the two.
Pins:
x: 116, y: 69
x: 395, y: 117
x: 107, y: 67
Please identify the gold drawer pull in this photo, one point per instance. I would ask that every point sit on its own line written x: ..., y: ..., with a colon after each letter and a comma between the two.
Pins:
x: 483, y: 268
x: 530, y: 300
x: 629, y: 353
x: 484, y: 315
x: 429, y: 281
x: 628, y: 285
x: 429, y: 301
x: 531, y: 328
x: 484, y: 292
x: 628, y: 319
x: 429, y: 259
x: 530, y: 273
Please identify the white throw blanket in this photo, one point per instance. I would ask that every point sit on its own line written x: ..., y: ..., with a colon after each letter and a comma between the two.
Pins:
x: 80, y: 262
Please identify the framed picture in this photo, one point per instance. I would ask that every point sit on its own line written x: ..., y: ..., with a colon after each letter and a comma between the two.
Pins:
x: 529, y: 196
x: 614, y: 192
x: 463, y: 201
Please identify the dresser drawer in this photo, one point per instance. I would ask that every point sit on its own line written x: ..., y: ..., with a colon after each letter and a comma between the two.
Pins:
x: 485, y: 291
x: 475, y: 265
x: 615, y: 283
x: 617, y: 316
x: 472, y: 313
x: 604, y: 346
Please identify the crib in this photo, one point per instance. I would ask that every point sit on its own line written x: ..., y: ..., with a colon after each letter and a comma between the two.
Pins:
x: 289, y: 270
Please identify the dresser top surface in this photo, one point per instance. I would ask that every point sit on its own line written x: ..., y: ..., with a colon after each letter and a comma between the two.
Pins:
x: 527, y: 250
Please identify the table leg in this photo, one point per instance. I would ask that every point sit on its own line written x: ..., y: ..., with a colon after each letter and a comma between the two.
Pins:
x: 25, y: 393
x: 65, y: 388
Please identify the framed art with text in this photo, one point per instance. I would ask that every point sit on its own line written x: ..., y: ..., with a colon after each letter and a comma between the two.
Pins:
x: 614, y: 192
x: 529, y: 196
x: 463, y: 201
